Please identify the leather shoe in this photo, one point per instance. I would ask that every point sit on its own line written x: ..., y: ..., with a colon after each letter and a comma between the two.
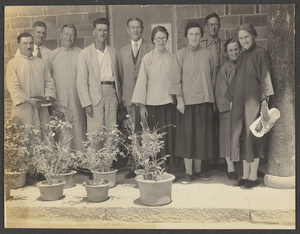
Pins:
x: 232, y: 175
x: 130, y: 175
x: 251, y: 183
x: 240, y: 182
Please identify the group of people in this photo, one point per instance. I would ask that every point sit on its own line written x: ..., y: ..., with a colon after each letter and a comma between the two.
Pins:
x: 209, y: 90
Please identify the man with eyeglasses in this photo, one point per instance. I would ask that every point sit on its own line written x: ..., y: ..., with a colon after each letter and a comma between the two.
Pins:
x: 130, y: 60
x: 216, y: 47
x: 98, y: 83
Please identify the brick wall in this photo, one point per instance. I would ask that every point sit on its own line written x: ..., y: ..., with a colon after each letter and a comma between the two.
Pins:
x: 231, y: 16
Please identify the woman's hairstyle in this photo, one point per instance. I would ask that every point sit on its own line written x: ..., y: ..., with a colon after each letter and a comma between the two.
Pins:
x: 192, y: 25
x: 159, y: 29
x: 247, y: 27
x: 229, y: 41
x: 101, y: 21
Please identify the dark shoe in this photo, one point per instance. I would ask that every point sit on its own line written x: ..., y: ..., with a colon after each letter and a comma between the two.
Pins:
x: 187, y: 179
x: 130, y: 175
x: 240, y: 182
x: 232, y: 175
x: 251, y: 183
x: 202, y: 175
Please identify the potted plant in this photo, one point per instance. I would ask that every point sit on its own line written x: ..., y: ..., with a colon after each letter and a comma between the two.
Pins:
x: 17, y: 151
x: 154, y: 183
x: 97, y: 189
x: 101, y: 148
x: 52, y: 157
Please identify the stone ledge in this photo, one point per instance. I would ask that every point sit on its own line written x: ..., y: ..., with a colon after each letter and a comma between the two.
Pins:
x: 279, y: 182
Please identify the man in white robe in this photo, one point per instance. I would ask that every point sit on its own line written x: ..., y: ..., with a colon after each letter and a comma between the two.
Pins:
x: 27, y: 77
x: 63, y: 69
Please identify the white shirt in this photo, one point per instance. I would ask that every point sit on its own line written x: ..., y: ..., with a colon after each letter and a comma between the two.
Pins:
x: 139, y: 42
x: 106, y: 73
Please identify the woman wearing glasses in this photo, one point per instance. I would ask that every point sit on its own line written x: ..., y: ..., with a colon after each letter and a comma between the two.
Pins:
x: 192, y: 80
x: 151, y: 90
x: 249, y: 92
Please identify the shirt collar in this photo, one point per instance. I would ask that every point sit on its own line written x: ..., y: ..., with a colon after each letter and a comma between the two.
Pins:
x: 139, y: 42
x: 156, y: 51
x: 210, y: 40
x: 25, y: 57
x: 35, y: 46
x: 99, y: 51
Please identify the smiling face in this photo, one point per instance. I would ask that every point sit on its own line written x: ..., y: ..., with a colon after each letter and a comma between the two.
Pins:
x: 68, y: 37
x: 135, y: 30
x: 212, y: 27
x: 26, y: 46
x: 193, y: 36
x: 246, y: 39
x: 100, y: 33
x: 160, y: 41
x: 39, y: 35
x: 233, y: 51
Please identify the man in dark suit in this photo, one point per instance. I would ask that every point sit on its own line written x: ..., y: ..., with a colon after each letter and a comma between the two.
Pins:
x: 130, y: 61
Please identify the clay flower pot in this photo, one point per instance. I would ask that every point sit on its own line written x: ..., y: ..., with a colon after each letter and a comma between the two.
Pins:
x: 69, y: 177
x: 155, y: 193
x: 51, y: 192
x: 110, y: 175
x: 16, y: 179
x: 97, y: 192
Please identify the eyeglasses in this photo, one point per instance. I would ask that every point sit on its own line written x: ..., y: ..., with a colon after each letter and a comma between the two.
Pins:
x: 213, y: 25
x: 159, y: 39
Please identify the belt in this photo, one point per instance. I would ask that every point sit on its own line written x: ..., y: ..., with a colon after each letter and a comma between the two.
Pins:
x: 108, y: 82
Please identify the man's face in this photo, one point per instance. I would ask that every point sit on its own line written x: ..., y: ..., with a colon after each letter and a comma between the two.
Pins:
x: 68, y: 37
x: 100, y: 33
x: 213, y: 26
x: 39, y: 35
x: 135, y: 30
x: 26, y: 46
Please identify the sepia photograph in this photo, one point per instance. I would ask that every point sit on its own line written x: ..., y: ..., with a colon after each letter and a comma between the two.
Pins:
x: 169, y: 116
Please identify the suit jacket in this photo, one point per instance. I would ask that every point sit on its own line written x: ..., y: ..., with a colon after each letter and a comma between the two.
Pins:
x: 88, y: 75
x: 129, y: 71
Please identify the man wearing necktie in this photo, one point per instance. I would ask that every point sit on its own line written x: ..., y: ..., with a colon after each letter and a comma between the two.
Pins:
x: 130, y: 60
x: 39, y: 33
x: 217, y: 49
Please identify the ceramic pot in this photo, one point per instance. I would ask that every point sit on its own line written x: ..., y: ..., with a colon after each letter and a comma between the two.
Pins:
x: 16, y: 179
x: 155, y: 193
x: 97, y: 192
x: 110, y: 175
x: 51, y: 192
x: 69, y: 178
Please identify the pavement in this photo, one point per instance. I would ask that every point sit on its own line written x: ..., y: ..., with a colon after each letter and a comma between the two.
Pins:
x: 214, y: 204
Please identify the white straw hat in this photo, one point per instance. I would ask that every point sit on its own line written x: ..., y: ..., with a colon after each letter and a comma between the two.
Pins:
x: 274, y: 114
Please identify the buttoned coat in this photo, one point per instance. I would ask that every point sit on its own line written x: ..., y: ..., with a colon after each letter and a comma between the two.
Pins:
x: 88, y: 75
x: 129, y: 71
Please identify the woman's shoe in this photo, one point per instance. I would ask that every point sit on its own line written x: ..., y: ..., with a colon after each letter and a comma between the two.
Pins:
x: 232, y: 175
x: 251, y: 183
x: 240, y: 182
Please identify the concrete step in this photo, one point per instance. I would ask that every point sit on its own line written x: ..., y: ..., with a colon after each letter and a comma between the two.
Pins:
x: 200, y: 202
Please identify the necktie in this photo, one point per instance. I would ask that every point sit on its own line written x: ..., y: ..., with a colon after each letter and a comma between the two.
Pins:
x: 135, y: 49
x: 39, y: 55
x: 215, y: 53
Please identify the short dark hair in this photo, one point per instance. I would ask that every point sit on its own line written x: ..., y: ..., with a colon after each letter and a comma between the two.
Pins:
x: 101, y: 21
x: 70, y: 26
x: 247, y: 27
x: 23, y: 34
x: 229, y: 41
x: 159, y: 29
x: 135, y: 19
x: 212, y: 15
x: 192, y: 25
x: 39, y: 24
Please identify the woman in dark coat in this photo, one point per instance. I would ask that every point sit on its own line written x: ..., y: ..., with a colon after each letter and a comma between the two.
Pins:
x: 249, y: 92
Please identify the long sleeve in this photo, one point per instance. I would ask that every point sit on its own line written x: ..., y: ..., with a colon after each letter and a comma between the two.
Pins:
x: 176, y: 75
x: 82, y: 81
x: 18, y: 95
x: 266, y: 88
x: 49, y: 84
x: 222, y: 84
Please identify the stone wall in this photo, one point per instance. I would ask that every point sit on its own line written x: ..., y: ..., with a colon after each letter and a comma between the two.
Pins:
x: 231, y: 16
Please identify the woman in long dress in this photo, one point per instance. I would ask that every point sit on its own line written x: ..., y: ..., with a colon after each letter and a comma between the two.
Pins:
x: 151, y: 92
x: 192, y: 80
x: 249, y: 92
x: 224, y: 78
